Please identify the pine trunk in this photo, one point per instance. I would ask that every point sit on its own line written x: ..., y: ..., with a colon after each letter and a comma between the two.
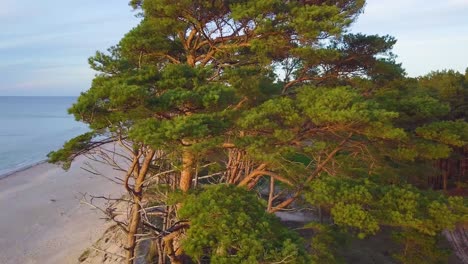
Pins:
x: 186, y: 177
x: 135, y: 213
x: 445, y: 175
x: 188, y: 161
x: 132, y: 230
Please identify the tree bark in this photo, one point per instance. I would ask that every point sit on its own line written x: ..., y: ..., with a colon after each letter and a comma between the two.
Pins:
x: 135, y: 212
x: 445, y: 175
x: 186, y: 176
x: 188, y: 161
x: 271, y: 194
x: 174, y: 255
x: 258, y: 171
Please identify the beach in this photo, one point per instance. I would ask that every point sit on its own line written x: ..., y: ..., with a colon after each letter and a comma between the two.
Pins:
x: 41, y: 217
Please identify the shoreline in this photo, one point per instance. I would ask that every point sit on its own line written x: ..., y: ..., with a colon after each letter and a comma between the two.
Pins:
x: 21, y: 168
x: 43, y: 220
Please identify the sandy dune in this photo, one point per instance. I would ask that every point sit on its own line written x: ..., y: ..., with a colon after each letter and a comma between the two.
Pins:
x: 41, y: 218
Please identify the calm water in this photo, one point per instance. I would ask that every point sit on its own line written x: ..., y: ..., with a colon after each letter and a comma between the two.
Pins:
x: 30, y: 127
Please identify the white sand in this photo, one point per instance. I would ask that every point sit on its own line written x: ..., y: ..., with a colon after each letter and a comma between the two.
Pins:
x: 41, y: 218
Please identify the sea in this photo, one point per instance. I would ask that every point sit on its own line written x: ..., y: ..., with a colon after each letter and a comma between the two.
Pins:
x: 31, y: 127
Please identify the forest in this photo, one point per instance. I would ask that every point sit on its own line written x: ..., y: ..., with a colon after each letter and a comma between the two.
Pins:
x: 229, y: 112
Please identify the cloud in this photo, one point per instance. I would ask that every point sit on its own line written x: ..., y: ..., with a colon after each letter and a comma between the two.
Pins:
x: 8, y: 9
x: 458, y: 3
x: 394, y: 13
x: 16, y: 42
x: 44, y: 45
x: 431, y: 34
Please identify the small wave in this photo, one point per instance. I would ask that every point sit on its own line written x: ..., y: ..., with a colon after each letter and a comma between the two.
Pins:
x: 12, y: 135
x: 20, y: 167
x: 39, y: 116
x: 77, y: 128
x: 69, y: 132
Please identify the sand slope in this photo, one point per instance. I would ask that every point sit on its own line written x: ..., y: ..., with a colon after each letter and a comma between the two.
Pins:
x: 41, y: 218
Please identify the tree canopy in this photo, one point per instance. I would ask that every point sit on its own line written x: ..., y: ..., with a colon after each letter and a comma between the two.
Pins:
x: 250, y: 93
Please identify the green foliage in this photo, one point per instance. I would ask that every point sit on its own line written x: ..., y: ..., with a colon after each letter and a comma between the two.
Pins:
x: 325, y: 243
x: 229, y: 225
x: 454, y: 133
x: 364, y: 206
x: 340, y: 105
x: 69, y: 151
x: 163, y: 87
x: 450, y: 87
x: 419, y: 248
x: 310, y: 21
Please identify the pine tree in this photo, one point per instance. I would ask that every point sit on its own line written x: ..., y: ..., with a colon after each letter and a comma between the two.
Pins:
x: 262, y: 89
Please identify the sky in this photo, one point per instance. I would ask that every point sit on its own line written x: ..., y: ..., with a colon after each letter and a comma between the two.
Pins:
x: 431, y: 34
x: 44, y: 45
